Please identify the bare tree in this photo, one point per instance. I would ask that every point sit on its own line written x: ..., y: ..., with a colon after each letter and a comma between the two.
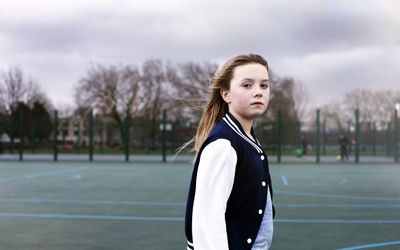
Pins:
x: 283, y: 96
x: 374, y: 106
x: 110, y: 91
x: 153, y: 90
x: 301, y: 98
x: 332, y: 116
x: 35, y: 93
x: 359, y: 99
x: 154, y: 95
x: 14, y: 88
x: 65, y: 110
x: 385, y: 102
x: 19, y: 95
x: 191, y: 83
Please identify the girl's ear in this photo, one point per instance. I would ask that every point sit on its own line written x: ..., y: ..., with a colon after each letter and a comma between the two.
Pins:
x: 225, y: 95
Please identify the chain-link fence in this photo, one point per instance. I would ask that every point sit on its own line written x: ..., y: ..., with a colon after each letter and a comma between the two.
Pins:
x: 136, y: 138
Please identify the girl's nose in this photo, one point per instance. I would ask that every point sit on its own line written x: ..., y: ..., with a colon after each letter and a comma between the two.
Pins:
x: 258, y: 91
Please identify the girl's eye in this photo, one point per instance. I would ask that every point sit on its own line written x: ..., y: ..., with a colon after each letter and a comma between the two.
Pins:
x: 247, y: 85
x: 264, y: 86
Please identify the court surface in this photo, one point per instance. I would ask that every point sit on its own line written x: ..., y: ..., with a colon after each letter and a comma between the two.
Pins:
x: 81, y: 205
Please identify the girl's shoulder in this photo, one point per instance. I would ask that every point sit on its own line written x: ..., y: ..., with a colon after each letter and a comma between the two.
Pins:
x: 222, y: 131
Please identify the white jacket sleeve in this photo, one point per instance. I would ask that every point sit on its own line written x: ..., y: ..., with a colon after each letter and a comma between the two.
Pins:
x: 215, y: 176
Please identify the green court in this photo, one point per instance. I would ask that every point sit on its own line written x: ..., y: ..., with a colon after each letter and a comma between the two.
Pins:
x: 76, y: 205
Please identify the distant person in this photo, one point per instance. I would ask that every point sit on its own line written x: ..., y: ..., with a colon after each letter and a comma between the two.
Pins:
x: 229, y: 204
x: 304, y: 145
x: 343, y: 147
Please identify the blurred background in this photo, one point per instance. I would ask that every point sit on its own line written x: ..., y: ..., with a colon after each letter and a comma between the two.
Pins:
x: 89, y: 86
x: 110, y: 68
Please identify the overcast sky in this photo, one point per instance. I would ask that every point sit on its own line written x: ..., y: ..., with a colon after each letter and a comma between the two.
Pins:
x: 329, y: 46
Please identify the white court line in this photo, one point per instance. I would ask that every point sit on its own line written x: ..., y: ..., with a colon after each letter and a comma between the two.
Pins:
x: 383, y: 244
x: 178, y: 219
x: 344, y: 206
x: 181, y: 204
x: 336, y: 196
x: 285, y: 181
x: 333, y: 221
x: 31, y: 176
x: 93, y: 202
x: 89, y: 217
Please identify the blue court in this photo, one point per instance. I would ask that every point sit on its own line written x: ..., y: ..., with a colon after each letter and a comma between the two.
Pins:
x: 80, y: 205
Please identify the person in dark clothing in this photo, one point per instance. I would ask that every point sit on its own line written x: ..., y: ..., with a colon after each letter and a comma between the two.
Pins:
x: 343, y: 147
x: 304, y: 145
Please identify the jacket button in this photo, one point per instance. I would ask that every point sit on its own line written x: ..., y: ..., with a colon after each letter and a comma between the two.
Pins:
x: 249, y: 240
x: 262, y: 157
x: 263, y: 183
x: 260, y: 211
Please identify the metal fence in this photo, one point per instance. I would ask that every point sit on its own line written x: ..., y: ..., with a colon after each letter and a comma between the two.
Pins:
x: 91, y: 138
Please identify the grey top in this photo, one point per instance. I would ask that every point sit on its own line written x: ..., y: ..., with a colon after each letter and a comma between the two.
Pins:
x: 265, y: 233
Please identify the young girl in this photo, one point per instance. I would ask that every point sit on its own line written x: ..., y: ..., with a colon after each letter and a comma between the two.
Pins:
x: 230, y: 197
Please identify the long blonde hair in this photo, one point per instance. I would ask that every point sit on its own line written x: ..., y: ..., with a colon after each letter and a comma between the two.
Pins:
x: 216, y: 106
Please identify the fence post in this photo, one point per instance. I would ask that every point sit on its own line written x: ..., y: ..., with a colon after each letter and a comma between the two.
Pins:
x: 126, y: 135
x: 55, y: 129
x: 396, y: 136
x: 33, y: 136
x: 279, y: 133
x: 78, y: 136
x: 12, y: 136
x: 147, y: 138
x: 388, y: 139
x: 374, y: 139
x: 318, y: 137
x: 349, y: 135
x: 299, y: 135
x: 101, y: 138
x: 324, y: 137
x: 164, y: 133
x: 91, y: 135
x: 21, y: 133
x: 357, y: 155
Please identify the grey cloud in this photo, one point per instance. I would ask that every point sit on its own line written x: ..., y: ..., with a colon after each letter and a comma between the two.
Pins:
x: 299, y: 38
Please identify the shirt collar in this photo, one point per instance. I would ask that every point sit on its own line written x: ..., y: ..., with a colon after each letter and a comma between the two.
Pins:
x: 234, y: 124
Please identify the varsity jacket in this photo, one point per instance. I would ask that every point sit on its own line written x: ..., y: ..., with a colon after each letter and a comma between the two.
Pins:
x: 228, y: 190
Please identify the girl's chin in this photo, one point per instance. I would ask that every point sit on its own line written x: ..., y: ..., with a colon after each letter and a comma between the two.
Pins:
x: 254, y: 114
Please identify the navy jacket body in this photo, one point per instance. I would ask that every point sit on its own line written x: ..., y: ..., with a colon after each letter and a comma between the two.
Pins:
x: 247, y: 198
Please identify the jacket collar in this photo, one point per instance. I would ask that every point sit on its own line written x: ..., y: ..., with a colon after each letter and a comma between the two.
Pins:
x: 234, y: 124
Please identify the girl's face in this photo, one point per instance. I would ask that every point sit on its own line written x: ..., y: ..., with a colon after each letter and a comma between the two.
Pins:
x: 249, y: 91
